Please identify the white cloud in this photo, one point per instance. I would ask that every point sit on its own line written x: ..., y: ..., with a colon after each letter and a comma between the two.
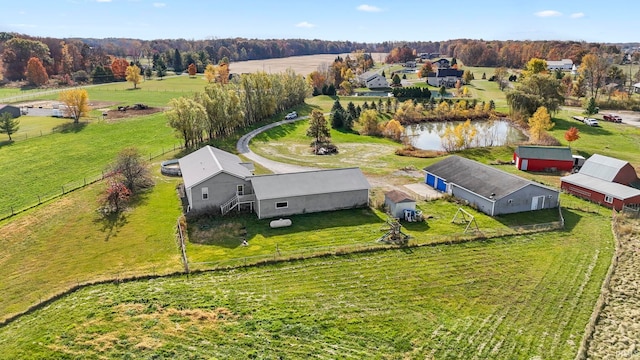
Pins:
x: 159, y: 5
x: 368, y: 8
x: 305, y: 24
x: 577, y: 15
x: 548, y: 13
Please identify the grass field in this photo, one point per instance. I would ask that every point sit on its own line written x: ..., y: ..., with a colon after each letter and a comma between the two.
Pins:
x: 66, y: 242
x: 516, y: 297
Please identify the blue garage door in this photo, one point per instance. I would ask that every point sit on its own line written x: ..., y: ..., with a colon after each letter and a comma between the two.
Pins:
x: 442, y: 186
x: 431, y: 180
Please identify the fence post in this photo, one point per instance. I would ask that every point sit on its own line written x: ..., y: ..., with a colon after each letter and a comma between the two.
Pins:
x: 85, y: 181
x: 62, y: 189
x: 39, y: 200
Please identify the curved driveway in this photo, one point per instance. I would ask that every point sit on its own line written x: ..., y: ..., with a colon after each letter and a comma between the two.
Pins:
x: 277, y: 167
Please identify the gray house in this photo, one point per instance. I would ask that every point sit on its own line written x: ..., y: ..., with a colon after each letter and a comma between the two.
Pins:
x: 213, y: 178
x: 217, y: 181
x: 492, y: 191
x: 310, y: 191
x: 374, y: 81
x: 13, y: 110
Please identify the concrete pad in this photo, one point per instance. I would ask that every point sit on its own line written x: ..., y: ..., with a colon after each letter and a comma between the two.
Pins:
x: 424, y: 191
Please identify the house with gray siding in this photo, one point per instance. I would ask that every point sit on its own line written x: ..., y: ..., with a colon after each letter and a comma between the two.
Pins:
x: 492, y: 191
x: 217, y: 181
x: 10, y: 109
x: 280, y: 195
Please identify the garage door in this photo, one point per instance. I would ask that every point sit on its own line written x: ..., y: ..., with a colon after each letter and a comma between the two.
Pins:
x: 431, y: 180
x: 442, y: 186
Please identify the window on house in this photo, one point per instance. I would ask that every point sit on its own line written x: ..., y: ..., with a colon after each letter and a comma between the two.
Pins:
x: 282, y: 204
x: 240, y: 190
x: 510, y: 201
x: 205, y: 193
x: 608, y: 199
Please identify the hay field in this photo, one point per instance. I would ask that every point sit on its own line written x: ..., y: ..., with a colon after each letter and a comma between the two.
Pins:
x: 300, y: 64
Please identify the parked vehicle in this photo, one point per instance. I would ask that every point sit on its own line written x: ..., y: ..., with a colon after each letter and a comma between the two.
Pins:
x: 291, y: 115
x: 579, y: 118
x: 612, y: 118
x: 591, y: 122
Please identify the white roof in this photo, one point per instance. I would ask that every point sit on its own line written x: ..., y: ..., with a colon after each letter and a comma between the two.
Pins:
x: 277, y: 186
x: 616, y: 190
x: 602, y: 167
x: 208, y: 162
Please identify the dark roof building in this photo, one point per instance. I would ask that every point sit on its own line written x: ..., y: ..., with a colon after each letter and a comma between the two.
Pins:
x: 13, y: 110
x: 493, y: 191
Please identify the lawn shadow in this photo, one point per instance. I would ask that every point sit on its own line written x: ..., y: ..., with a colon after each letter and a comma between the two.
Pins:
x: 70, y: 127
x: 111, y: 223
x: 7, y: 142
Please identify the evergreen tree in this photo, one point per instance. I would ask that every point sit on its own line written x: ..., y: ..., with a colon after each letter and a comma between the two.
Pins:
x: 177, y: 62
x: 8, y: 125
x: 337, y: 119
x: 351, y: 109
x: 348, y: 122
x: 161, y: 69
x: 358, y: 112
x: 101, y: 75
x: 396, y: 80
x: 147, y: 72
x: 591, y: 107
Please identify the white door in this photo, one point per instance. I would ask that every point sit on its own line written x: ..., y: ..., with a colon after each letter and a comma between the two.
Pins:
x: 525, y: 163
x: 537, y: 202
x: 240, y: 190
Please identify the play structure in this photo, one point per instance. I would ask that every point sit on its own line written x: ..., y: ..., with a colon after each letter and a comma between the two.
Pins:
x: 394, y: 234
x: 464, y: 217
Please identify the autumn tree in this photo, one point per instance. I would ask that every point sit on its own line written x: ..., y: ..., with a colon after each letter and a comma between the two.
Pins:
x: 368, y: 123
x: 594, y: 70
x: 318, y: 127
x: 539, y: 123
x: 77, y: 103
x: 535, y: 91
x: 192, y: 69
x: 115, y: 196
x: 459, y: 137
x: 133, y: 75
x: 572, y: 134
x: 467, y: 77
x: 501, y: 77
x: 535, y: 66
x: 210, y: 73
x: 426, y: 68
x: 8, y: 125
x: 187, y: 118
x: 393, y: 130
x: 119, y: 68
x: 36, y: 73
x: 134, y: 170
x: 16, y: 54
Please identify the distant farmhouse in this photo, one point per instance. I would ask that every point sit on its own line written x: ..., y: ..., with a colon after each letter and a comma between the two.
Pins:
x: 374, y: 81
x: 564, y: 64
x: 543, y: 158
x: 10, y: 109
x: 444, y: 77
x: 605, y: 180
x: 442, y: 63
x: 218, y: 181
x: 492, y: 191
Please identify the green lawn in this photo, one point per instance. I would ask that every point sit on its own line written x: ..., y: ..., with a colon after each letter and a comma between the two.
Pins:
x: 518, y: 297
x: 66, y: 242
x: 35, y: 126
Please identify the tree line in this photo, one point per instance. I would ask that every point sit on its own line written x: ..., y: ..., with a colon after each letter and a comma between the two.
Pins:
x: 224, y: 108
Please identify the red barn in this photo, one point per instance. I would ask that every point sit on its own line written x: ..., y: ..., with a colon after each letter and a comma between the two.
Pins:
x: 543, y: 158
x: 606, y: 181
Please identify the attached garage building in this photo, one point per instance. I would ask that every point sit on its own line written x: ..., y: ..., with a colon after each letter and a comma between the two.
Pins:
x: 280, y: 195
x: 543, y: 158
x: 492, y: 191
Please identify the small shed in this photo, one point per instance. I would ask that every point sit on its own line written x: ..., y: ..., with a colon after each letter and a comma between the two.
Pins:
x: 13, y: 110
x: 397, y: 202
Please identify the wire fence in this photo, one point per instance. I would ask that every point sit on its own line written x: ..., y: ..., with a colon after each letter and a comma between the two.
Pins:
x: 45, y: 196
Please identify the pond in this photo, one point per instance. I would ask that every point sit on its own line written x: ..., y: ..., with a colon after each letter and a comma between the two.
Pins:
x: 428, y: 136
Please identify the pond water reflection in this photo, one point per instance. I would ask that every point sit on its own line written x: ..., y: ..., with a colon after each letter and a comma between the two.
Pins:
x: 428, y: 135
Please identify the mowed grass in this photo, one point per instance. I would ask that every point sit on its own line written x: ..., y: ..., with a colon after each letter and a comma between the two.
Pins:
x: 35, y: 126
x: 66, y: 242
x: 42, y: 166
x: 517, y: 297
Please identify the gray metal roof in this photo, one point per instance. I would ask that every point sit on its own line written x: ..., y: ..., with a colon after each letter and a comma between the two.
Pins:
x: 481, y: 179
x: 207, y: 162
x: 602, y: 167
x: 544, y: 153
x: 277, y: 186
x: 616, y: 190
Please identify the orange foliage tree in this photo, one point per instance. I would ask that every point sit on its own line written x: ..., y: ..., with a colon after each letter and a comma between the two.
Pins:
x: 119, y: 68
x: 192, y: 69
x: 572, y: 134
x: 36, y: 73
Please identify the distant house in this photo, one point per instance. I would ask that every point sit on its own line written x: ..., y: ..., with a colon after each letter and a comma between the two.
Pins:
x: 543, y: 158
x: 10, y: 109
x: 636, y: 88
x: 442, y: 63
x: 564, y: 64
x: 374, y: 81
x: 444, y: 77
x: 410, y: 64
x: 492, y: 191
x: 217, y: 181
x: 397, y: 202
x: 605, y: 180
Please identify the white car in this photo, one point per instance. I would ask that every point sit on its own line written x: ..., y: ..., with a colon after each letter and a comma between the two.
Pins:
x: 291, y: 115
x: 591, y: 122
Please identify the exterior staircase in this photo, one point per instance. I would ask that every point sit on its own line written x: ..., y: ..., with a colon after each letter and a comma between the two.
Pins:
x: 235, y: 201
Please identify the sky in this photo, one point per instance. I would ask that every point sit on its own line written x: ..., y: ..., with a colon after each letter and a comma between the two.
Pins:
x: 359, y: 21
